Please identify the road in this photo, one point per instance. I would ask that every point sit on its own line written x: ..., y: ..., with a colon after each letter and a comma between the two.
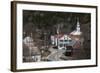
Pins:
x: 55, y: 54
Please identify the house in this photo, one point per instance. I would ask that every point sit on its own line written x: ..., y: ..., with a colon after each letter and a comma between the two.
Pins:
x: 61, y: 40
x: 31, y: 53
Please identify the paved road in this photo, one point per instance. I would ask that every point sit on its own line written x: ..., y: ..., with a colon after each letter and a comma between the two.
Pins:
x: 55, y: 55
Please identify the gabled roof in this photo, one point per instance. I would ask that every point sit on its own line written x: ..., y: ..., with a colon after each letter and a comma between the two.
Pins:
x: 62, y: 35
x: 58, y: 36
x: 75, y: 32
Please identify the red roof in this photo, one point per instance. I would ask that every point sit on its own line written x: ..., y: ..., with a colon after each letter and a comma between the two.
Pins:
x: 59, y: 36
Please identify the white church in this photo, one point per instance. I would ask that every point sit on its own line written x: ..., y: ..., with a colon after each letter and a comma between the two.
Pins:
x: 63, y: 40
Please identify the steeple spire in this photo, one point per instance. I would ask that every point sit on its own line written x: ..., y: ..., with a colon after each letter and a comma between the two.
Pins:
x: 77, y: 30
x: 78, y: 25
x: 58, y: 29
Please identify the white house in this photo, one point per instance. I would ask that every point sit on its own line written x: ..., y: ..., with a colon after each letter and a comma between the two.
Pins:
x: 61, y: 41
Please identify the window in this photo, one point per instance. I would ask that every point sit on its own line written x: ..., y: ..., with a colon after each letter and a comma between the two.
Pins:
x: 70, y: 40
x: 61, y: 40
x: 61, y: 45
x: 66, y: 40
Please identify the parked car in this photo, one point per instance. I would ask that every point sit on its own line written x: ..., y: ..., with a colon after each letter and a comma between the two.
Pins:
x: 69, y: 51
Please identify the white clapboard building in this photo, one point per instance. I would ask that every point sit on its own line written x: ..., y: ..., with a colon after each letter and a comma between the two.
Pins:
x: 61, y: 40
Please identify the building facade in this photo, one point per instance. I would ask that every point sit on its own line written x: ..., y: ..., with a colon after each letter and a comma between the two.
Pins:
x: 73, y: 39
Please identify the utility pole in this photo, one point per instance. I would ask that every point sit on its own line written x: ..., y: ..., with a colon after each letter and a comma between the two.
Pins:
x: 57, y: 41
x: 30, y: 45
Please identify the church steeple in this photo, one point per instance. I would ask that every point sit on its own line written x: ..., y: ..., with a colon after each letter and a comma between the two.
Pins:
x: 77, y: 31
x: 78, y: 25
